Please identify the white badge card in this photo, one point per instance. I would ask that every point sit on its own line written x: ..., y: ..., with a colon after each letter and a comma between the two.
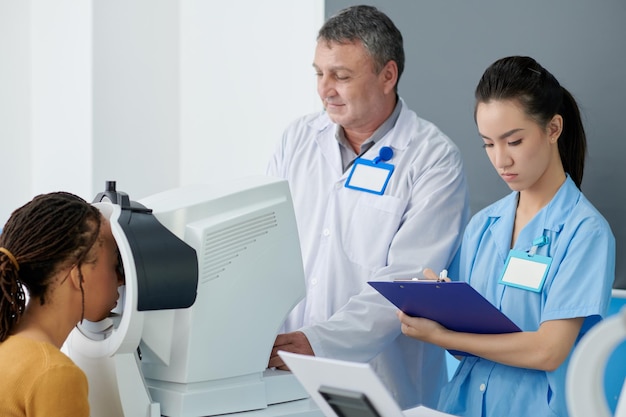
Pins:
x: 369, y: 176
x: 526, y: 271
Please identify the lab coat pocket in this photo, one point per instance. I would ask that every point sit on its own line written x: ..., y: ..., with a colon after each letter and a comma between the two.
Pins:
x: 371, y: 228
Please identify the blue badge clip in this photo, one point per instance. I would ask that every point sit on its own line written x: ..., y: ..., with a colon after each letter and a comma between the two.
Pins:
x: 537, y: 243
x: 385, y: 154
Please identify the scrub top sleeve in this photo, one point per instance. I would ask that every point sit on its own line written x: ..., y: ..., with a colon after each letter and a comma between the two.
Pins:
x: 454, y: 269
x: 464, y: 260
x: 582, y: 283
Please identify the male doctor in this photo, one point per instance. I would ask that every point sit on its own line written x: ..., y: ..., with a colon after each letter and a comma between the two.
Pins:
x: 379, y: 194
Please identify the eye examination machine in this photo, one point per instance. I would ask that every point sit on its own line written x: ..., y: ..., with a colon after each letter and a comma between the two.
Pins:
x: 211, y: 271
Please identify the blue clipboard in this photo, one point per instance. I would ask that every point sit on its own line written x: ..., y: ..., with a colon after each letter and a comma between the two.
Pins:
x: 455, y: 305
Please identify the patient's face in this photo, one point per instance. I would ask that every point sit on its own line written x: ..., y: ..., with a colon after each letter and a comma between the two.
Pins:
x: 102, y: 276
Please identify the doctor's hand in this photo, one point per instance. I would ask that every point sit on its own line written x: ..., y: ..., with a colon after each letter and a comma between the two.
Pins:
x: 295, y: 342
x: 420, y: 328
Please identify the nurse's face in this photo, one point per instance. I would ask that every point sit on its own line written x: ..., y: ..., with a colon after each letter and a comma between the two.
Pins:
x: 523, y: 153
x: 353, y: 94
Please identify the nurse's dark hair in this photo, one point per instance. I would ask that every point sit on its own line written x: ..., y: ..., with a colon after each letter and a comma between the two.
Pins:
x: 379, y: 35
x: 51, y: 232
x: 522, y: 79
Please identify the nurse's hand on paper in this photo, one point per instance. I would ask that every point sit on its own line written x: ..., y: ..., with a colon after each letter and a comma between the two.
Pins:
x: 420, y: 328
x: 295, y: 342
x: 431, y: 275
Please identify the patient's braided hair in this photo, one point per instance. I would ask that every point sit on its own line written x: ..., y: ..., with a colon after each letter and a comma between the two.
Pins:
x: 49, y: 233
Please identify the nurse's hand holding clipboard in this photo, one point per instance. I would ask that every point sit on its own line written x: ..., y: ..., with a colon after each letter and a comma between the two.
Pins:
x: 419, y: 327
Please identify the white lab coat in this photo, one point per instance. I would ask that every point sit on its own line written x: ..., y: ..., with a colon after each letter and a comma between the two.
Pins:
x: 349, y: 237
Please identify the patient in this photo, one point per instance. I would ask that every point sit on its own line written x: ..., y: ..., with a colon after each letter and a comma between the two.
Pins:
x: 60, y: 250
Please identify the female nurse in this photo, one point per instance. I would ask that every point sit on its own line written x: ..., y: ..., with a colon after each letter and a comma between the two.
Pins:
x: 543, y: 254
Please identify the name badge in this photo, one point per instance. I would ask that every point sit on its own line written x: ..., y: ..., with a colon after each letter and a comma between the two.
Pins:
x: 369, y: 176
x: 525, y: 270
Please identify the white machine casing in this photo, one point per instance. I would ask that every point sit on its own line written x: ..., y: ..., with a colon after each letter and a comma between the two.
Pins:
x: 211, y: 357
x: 585, y: 389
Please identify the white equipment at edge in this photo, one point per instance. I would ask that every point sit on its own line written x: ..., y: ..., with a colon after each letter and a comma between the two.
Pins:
x: 585, y: 374
x: 211, y: 357
x: 348, y: 388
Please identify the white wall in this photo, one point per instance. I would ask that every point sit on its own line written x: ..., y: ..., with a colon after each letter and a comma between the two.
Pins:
x: 136, y: 95
x: 246, y: 71
x: 15, y: 176
x: 61, y: 96
x: 151, y: 93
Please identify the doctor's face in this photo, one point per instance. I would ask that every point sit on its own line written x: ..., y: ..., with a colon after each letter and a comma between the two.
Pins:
x: 353, y: 94
x: 521, y: 150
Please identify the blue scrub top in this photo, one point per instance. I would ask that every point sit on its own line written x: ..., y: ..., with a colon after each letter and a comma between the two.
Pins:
x: 578, y: 284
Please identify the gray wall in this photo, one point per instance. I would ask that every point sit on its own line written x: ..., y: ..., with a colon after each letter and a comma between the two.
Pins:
x: 449, y: 43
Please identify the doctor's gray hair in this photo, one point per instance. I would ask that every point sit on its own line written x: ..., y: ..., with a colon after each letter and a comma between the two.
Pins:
x: 379, y: 35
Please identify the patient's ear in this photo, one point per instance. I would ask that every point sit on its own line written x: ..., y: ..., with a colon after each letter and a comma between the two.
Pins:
x: 75, y: 277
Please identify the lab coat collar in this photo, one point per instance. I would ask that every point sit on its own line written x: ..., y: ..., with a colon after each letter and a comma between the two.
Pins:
x: 398, y: 137
x: 404, y: 130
